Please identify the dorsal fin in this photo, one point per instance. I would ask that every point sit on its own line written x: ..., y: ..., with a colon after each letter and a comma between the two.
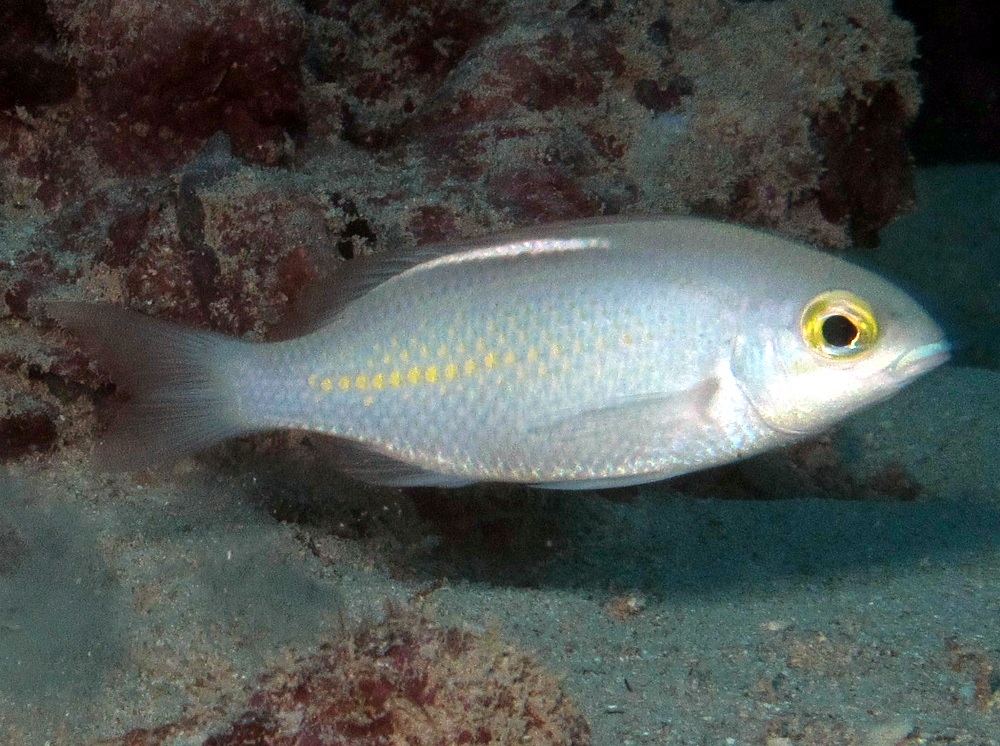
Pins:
x: 357, y: 277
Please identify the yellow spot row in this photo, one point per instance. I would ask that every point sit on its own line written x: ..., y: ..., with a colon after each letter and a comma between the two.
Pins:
x: 415, y: 375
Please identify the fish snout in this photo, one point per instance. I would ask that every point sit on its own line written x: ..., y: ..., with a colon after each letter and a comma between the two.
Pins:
x: 919, y: 360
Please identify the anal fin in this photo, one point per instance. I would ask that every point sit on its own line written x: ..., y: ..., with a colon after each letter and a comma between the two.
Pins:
x: 367, y: 464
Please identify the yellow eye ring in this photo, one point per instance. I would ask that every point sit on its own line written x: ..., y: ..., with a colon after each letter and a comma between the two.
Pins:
x: 838, y: 324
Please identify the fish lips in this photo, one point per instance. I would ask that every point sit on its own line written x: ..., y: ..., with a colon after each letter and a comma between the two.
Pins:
x: 919, y: 360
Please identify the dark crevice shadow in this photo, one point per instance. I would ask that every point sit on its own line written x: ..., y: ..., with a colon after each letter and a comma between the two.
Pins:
x: 678, y: 546
x: 653, y: 540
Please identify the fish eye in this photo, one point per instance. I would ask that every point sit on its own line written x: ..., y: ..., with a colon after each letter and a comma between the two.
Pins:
x: 839, y: 331
x: 838, y: 324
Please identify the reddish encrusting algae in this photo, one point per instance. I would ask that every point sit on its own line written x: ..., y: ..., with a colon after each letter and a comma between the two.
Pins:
x: 405, y: 682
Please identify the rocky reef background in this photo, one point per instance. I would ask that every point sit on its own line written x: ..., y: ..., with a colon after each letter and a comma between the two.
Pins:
x: 208, y: 161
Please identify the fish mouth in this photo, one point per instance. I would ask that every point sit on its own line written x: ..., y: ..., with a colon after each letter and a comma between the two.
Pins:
x: 921, y: 359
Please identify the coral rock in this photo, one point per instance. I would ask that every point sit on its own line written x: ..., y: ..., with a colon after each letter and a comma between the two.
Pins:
x: 411, y: 683
x: 401, y: 683
x: 172, y: 69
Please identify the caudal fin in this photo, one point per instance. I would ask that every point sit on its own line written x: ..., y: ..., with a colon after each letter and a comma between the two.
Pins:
x: 176, y: 377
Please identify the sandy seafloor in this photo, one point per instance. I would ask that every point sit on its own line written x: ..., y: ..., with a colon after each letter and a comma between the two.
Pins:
x: 800, y: 620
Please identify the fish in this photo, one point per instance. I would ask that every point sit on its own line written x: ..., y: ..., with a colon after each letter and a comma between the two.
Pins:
x: 582, y: 355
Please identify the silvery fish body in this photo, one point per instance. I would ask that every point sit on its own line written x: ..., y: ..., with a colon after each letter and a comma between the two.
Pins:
x: 580, y: 355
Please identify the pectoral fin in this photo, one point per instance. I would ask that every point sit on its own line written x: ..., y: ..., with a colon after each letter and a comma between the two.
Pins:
x: 671, y: 413
x: 634, y: 432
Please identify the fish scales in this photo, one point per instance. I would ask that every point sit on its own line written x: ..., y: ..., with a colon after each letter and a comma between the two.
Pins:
x: 588, y: 354
x: 473, y: 364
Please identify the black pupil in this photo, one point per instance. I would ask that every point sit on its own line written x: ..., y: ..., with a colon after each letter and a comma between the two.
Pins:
x: 839, y: 331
